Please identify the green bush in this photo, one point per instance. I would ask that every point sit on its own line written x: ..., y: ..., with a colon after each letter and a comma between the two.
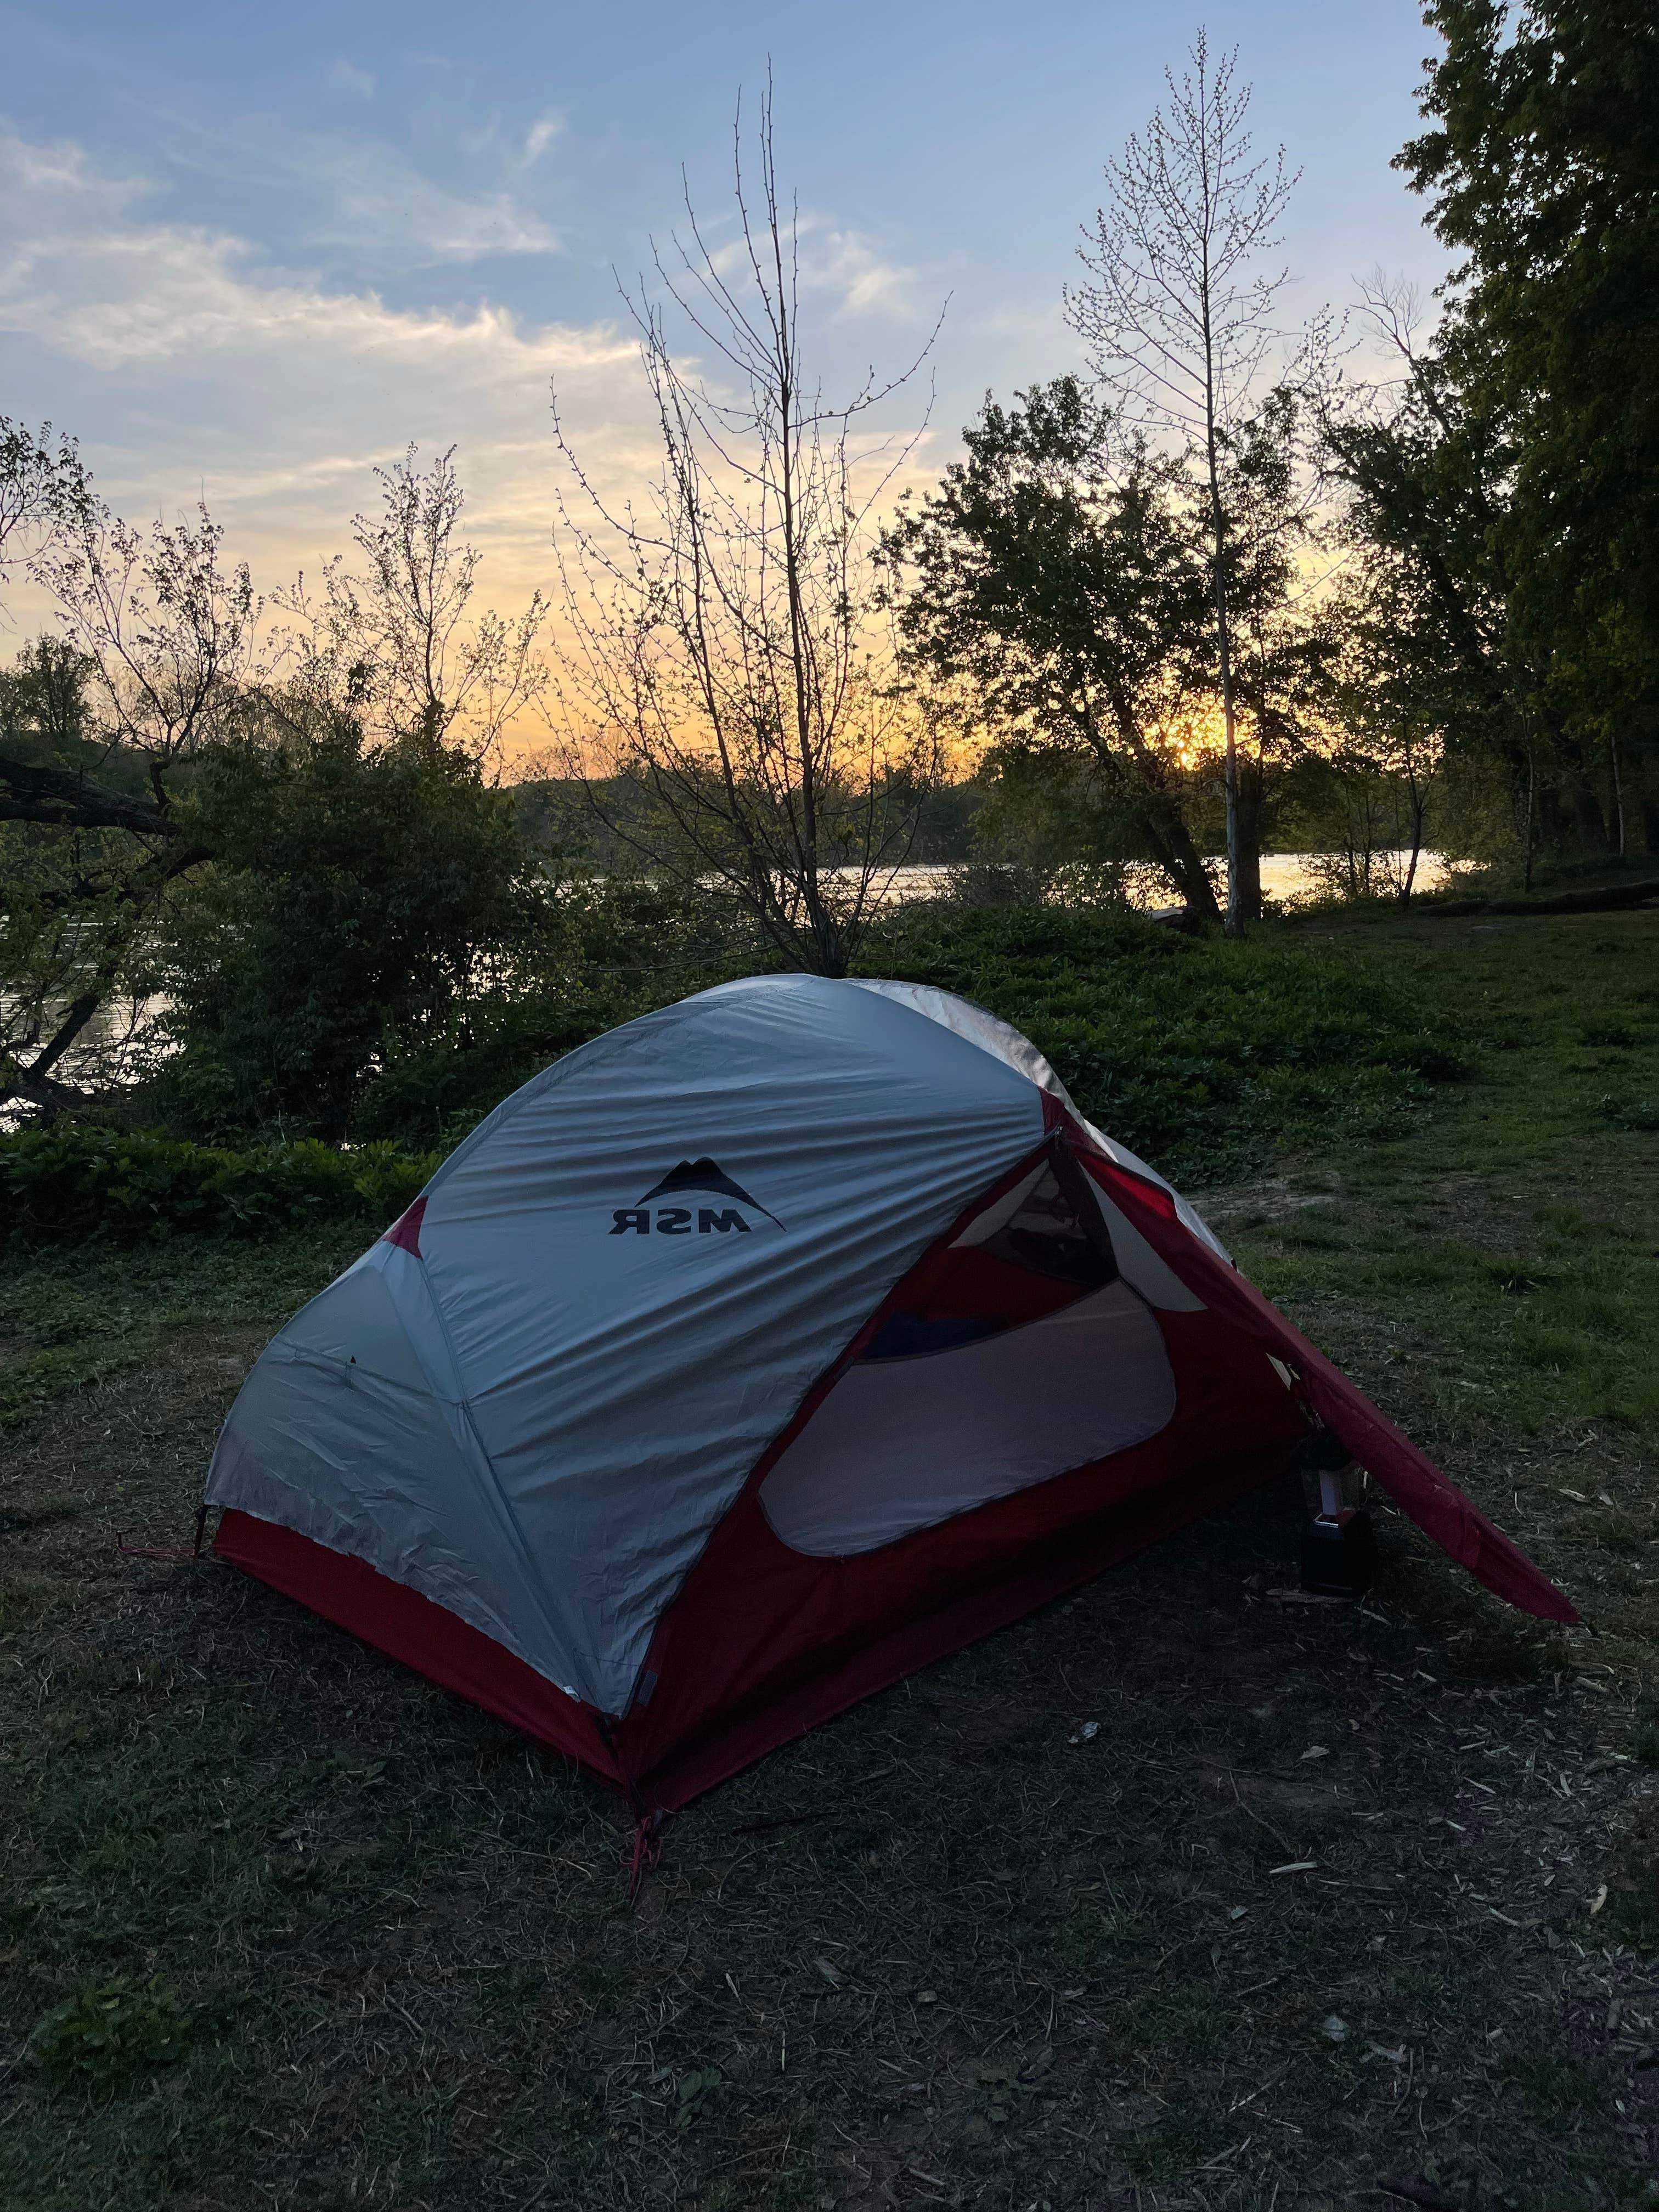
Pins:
x: 1199, y: 1054
x: 77, y: 1182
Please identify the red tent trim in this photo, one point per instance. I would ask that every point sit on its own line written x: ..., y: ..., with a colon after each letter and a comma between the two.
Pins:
x: 428, y: 1638
x: 406, y: 1228
x: 1439, y: 1508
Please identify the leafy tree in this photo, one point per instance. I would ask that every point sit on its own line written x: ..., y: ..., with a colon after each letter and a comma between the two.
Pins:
x: 127, y: 744
x: 41, y: 484
x: 364, y: 899
x: 1541, y: 163
x: 1284, y: 639
x: 155, y: 633
x: 80, y: 864
x: 1055, y: 574
x: 1428, y: 481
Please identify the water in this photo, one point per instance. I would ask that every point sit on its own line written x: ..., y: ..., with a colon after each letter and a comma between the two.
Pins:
x: 1287, y: 879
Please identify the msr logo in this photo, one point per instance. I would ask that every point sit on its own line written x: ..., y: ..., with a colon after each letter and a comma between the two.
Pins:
x: 690, y: 1176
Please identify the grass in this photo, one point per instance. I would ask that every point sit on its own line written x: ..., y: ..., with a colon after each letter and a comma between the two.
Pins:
x: 284, y: 1926
x: 1204, y: 1055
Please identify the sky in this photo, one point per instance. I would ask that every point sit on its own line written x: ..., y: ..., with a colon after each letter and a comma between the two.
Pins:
x: 248, y: 254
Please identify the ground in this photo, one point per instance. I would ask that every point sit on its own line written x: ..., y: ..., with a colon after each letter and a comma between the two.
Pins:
x: 1178, y: 1894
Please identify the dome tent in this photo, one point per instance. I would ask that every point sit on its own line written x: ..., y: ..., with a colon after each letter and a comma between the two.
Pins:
x: 755, y: 1353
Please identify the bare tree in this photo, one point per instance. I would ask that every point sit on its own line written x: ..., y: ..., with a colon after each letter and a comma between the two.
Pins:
x: 166, y: 629
x: 1177, y: 313
x: 394, y: 637
x: 730, y: 664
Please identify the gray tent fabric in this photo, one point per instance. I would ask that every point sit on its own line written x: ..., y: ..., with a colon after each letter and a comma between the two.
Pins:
x: 537, y: 1419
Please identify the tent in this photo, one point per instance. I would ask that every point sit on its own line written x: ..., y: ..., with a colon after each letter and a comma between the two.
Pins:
x: 756, y: 1354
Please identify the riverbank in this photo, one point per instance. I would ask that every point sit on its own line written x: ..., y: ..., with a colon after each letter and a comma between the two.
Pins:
x: 1334, y: 1899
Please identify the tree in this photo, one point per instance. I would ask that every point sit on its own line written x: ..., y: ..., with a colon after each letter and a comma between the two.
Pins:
x: 1053, y: 573
x: 395, y: 641
x: 371, y: 889
x: 1362, y: 800
x: 128, y: 745
x: 40, y: 484
x: 156, y: 633
x: 1541, y: 163
x: 729, y: 658
x: 365, y: 899
x: 1283, y: 635
x: 1177, y: 314
x: 1426, y: 481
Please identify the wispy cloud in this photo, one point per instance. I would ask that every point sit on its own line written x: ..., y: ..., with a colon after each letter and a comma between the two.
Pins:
x: 849, y: 265
x: 345, y: 81
x: 191, y: 364
x: 377, y: 205
x: 540, y: 137
x: 845, y: 268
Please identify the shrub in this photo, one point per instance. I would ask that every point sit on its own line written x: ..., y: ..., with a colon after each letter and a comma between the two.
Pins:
x: 70, y: 1181
x: 1199, y: 1054
x: 1203, y: 1055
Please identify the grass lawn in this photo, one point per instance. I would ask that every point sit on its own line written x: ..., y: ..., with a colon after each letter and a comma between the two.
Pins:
x: 1338, y: 1908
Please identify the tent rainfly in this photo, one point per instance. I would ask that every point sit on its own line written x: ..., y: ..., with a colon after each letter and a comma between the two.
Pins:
x: 756, y: 1354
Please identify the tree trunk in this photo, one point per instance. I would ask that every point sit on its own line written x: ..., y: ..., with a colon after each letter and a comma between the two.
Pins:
x: 1589, y: 820
x: 1181, y: 861
x: 1161, y: 821
x: 1239, y: 910
x: 1419, y: 805
x: 1246, y: 815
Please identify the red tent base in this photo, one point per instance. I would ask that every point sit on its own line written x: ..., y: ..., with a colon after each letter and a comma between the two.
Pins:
x: 405, y: 1626
x: 456, y: 1657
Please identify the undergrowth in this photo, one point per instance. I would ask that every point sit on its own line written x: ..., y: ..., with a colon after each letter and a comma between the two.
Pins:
x: 1201, y: 1055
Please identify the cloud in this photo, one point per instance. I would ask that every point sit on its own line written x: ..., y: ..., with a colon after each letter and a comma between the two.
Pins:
x: 379, y: 206
x: 850, y: 265
x: 845, y: 267
x: 189, y: 365
x: 192, y: 365
x: 540, y: 137
x: 360, y: 198
x: 345, y: 81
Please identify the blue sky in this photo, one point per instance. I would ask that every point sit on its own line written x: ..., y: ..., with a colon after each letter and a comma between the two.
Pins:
x: 248, y: 253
